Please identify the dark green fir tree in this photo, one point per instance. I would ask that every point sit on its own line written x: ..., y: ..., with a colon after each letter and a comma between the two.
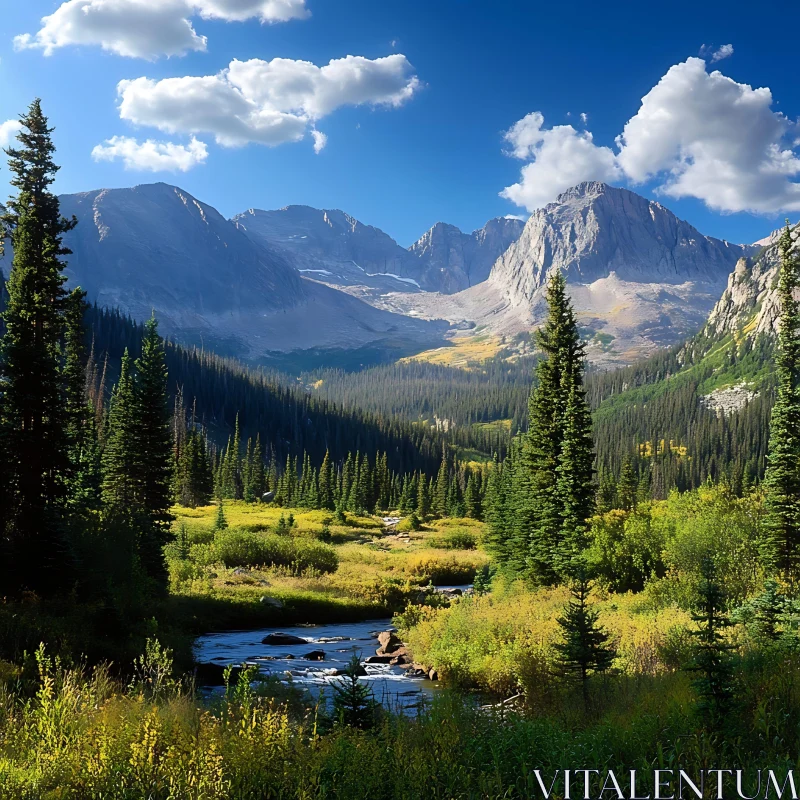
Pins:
x: 782, y: 479
x: 34, y: 423
x: 585, y: 648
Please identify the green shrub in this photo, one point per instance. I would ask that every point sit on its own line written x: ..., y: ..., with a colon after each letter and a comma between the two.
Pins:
x: 456, y: 539
x: 235, y: 547
x: 441, y: 569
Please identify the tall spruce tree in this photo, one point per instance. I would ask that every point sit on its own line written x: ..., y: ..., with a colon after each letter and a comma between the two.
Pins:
x: 552, y: 492
x: 153, y: 452
x: 782, y: 479
x: 33, y: 407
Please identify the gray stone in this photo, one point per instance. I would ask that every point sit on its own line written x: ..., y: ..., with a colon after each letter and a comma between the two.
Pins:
x: 281, y: 639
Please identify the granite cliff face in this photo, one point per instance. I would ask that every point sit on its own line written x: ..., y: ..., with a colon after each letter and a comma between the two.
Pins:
x: 454, y: 260
x: 749, y: 302
x: 594, y: 231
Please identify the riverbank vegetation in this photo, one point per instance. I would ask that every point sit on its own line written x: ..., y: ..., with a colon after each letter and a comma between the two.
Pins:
x: 358, y: 568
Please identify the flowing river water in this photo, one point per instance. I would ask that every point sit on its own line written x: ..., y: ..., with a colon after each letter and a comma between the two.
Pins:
x: 391, y: 685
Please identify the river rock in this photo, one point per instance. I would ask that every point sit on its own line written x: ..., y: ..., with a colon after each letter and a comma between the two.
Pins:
x: 389, y: 643
x: 379, y: 659
x: 283, y: 639
x: 315, y: 655
x: 360, y: 671
x: 272, y: 601
x: 433, y: 675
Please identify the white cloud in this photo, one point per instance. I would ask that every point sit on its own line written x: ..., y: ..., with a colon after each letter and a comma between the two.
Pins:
x: 320, y: 140
x: 147, y: 28
x: 151, y: 156
x: 266, y: 102
x: 696, y: 134
x: 706, y: 136
x: 584, y: 117
x: 8, y: 131
x: 723, y: 52
x: 268, y: 11
x: 303, y: 87
x: 561, y: 157
x: 134, y: 28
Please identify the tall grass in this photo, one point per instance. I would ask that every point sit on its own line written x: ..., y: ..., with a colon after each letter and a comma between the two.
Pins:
x: 78, y: 735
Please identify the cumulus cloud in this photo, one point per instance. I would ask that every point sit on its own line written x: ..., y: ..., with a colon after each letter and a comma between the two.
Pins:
x: 696, y: 134
x: 147, y: 28
x: 707, y: 136
x: 8, y: 131
x: 268, y: 11
x: 266, y: 102
x: 562, y: 157
x: 320, y: 140
x: 152, y: 156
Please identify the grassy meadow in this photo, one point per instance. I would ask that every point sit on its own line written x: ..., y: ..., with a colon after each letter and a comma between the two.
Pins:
x: 354, y: 570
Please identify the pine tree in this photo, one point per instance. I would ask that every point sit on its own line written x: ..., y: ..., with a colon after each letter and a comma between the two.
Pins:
x: 34, y: 404
x: 627, y: 487
x: 353, y: 703
x: 326, y: 499
x: 153, y: 453
x: 585, y: 648
x: 119, y: 453
x: 472, y: 498
x: 712, y: 654
x: 440, y: 492
x: 221, y: 522
x: 574, y: 487
x: 770, y: 607
x: 543, y: 506
x: 782, y: 479
x: 423, y: 497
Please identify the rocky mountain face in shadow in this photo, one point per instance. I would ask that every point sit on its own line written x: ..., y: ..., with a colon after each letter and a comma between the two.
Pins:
x: 155, y: 248
x: 336, y: 249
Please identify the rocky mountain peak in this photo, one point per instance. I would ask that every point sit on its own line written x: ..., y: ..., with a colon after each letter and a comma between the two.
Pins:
x: 594, y: 231
x: 454, y: 260
x: 157, y: 246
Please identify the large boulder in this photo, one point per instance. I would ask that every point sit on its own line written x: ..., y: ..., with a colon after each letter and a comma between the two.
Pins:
x: 389, y: 643
x: 283, y: 639
x: 315, y: 655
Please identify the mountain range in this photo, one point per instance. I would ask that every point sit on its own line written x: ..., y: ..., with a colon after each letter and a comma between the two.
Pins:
x: 639, y: 277
x: 299, y: 283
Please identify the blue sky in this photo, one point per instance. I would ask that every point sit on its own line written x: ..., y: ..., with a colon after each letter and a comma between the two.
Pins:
x: 428, y: 143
